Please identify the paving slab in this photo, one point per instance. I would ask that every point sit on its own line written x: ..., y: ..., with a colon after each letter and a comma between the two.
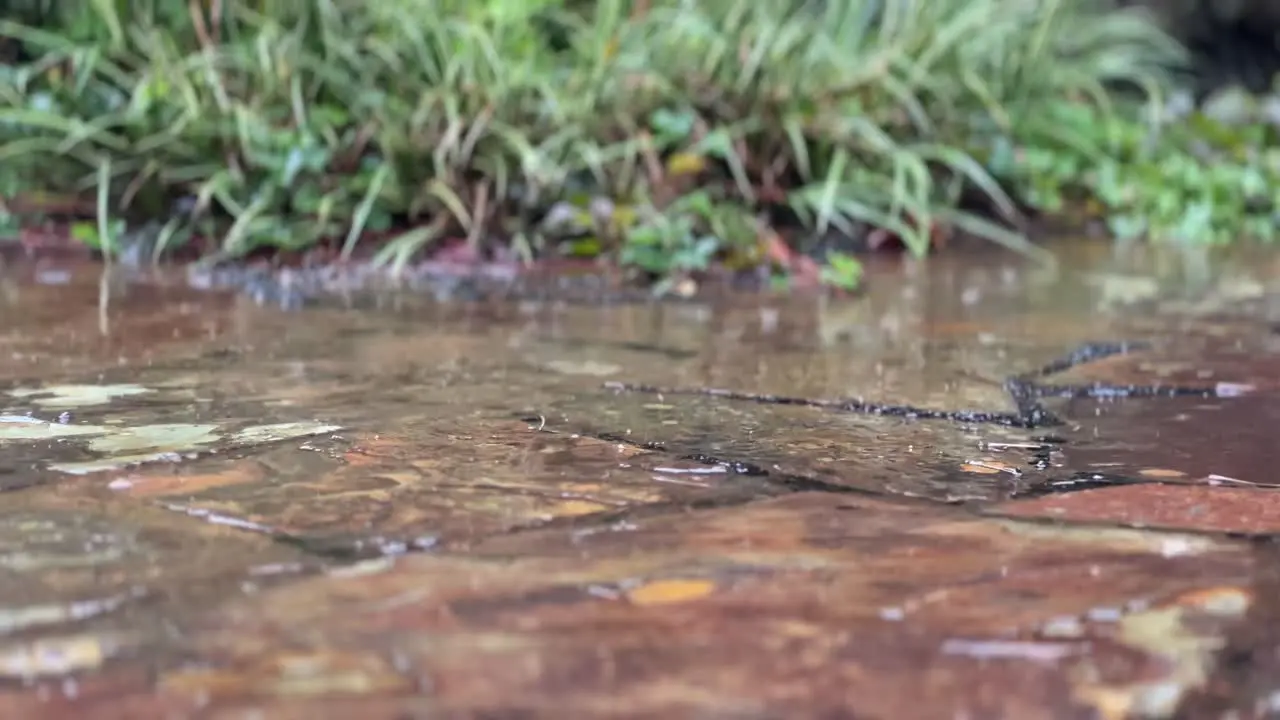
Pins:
x: 814, y: 605
x: 91, y: 580
x: 216, y: 509
x: 426, y: 486
x: 940, y: 460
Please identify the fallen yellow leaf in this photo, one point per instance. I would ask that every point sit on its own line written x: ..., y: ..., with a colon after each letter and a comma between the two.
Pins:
x: 987, y: 466
x: 685, y: 163
x: 661, y: 592
x: 575, y: 508
x: 624, y: 217
x: 1161, y: 473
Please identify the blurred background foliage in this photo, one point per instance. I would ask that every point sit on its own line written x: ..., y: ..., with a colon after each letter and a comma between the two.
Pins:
x: 672, y: 135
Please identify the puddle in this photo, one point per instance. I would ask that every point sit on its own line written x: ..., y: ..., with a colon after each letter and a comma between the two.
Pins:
x: 977, y: 490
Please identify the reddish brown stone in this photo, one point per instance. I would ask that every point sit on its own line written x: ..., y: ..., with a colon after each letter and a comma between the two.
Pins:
x: 445, y: 483
x: 1182, y: 507
x: 1231, y: 438
x: 653, y: 586
x: 808, y: 606
x: 1230, y: 369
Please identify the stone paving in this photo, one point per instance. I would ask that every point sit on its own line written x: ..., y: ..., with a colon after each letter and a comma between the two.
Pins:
x: 215, y: 509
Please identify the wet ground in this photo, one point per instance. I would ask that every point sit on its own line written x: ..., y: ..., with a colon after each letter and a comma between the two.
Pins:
x: 982, y: 490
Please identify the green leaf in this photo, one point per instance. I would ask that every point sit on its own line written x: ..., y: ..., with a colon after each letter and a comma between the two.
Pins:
x: 670, y: 125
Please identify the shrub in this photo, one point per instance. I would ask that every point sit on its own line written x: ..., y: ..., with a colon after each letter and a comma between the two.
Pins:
x: 285, y: 123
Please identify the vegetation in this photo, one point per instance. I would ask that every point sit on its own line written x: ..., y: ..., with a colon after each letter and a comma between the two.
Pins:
x: 668, y: 134
x: 1209, y: 176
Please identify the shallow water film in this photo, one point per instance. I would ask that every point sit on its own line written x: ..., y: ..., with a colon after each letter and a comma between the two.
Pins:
x: 979, y: 490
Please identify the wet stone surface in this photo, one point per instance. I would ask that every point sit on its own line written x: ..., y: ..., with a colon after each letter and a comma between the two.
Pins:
x: 811, y: 448
x: 429, y: 486
x: 978, y: 490
x: 1205, y: 508
x: 88, y: 580
x: 697, y: 610
x: 1220, y: 441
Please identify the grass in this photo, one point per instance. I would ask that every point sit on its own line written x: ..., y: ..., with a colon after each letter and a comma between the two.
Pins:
x: 671, y: 135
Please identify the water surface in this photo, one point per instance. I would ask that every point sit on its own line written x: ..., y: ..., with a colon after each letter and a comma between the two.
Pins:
x: 977, y: 489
